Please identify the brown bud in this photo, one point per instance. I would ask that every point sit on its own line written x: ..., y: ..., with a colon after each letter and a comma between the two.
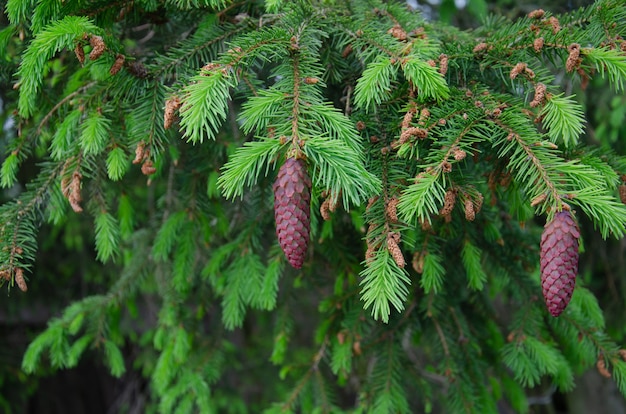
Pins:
x: 480, y: 47
x: 540, y: 94
x: 538, y: 44
x: 554, y: 22
x: 360, y: 126
x: 356, y: 348
x: 622, y: 353
x: 446, y: 167
x: 443, y: 64
x: 622, y: 193
x: 19, y: 279
x: 346, y: 51
x: 325, y: 209
x: 171, y: 106
x: 470, y: 213
x: 449, y: 201
x: 392, y: 209
x: 408, y: 118
x: 97, y: 47
x: 398, y: 32
x: 573, y: 60
x: 517, y: 69
x: 418, y: 261
x: 538, y: 200
x: 147, y: 168
x: 311, y: 81
x: 80, y: 53
x: 117, y: 65
x: 70, y: 187
x: 601, y: 365
x: 536, y: 14
x: 459, y: 154
x: 141, y: 153
x: 394, y: 249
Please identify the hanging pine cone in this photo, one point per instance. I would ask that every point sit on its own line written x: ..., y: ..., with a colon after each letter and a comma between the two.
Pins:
x: 559, y: 261
x: 292, y: 198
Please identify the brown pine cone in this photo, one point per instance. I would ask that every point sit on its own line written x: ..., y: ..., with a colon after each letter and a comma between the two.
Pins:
x: 559, y: 261
x: 292, y: 210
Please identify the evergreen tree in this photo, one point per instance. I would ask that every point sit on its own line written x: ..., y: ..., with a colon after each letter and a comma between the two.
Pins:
x: 333, y: 206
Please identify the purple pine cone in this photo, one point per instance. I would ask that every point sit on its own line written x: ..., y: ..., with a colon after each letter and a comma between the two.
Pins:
x: 292, y: 210
x: 559, y: 261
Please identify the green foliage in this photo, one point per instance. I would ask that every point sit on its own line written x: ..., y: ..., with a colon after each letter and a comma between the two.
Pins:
x: 59, y: 35
x: 430, y: 151
x: 383, y: 283
x: 563, y: 119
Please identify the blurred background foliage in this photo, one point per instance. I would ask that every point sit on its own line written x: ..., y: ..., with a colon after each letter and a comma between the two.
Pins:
x: 66, y: 270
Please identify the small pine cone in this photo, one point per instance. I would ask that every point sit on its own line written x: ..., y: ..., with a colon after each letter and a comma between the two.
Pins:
x: 71, y: 190
x: 394, y: 249
x: 292, y: 198
x: 538, y: 200
x: 517, y: 69
x: 19, y: 279
x: 538, y: 44
x: 536, y: 14
x: 141, y: 153
x: 448, y: 203
x: 573, y: 60
x: 98, y: 47
x: 480, y: 47
x: 418, y: 261
x: 622, y: 193
x: 325, y: 209
x: 443, y: 64
x: 446, y: 167
x: 398, y: 32
x: 171, y: 106
x: 554, y: 22
x: 346, y: 51
x: 540, y: 94
x: 470, y: 213
x: 80, y: 53
x: 147, y: 168
x: 117, y: 65
x: 392, y: 209
x: 408, y: 118
x: 559, y: 261
x: 601, y: 366
x: 459, y: 154
x: 311, y: 81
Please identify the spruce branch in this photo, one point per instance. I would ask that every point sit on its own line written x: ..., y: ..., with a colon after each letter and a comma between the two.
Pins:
x: 564, y: 119
x: 205, y: 104
x: 57, y: 36
x: 383, y: 282
x: 611, y: 61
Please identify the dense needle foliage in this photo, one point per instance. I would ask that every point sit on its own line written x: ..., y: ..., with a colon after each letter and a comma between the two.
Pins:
x: 435, y: 156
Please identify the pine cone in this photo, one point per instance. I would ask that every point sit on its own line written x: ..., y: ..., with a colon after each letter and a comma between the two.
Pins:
x: 292, y: 198
x: 559, y: 261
